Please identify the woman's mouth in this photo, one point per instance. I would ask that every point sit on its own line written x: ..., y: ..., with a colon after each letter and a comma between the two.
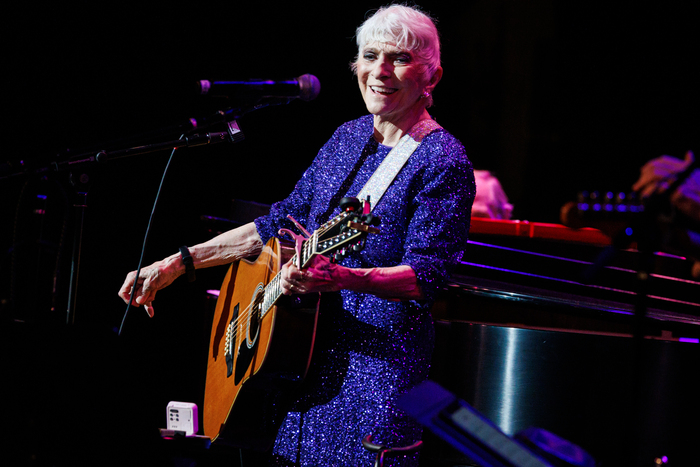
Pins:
x: 383, y: 90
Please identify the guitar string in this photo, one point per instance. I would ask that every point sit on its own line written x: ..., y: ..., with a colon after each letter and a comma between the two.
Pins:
x: 246, y: 313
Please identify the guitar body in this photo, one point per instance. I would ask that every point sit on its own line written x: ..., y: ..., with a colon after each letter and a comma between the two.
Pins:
x: 255, y: 357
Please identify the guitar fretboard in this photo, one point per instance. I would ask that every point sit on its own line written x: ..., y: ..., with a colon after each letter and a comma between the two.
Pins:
x: 309, y: 249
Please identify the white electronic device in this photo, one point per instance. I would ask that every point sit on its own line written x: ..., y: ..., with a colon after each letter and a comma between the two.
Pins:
x: 183, y: 417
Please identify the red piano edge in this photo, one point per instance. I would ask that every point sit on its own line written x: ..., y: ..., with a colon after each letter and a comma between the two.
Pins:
x: 518, y: 228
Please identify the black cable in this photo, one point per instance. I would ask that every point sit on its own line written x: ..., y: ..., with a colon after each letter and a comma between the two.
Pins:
x: 13, y: 252
x: 145, y: 239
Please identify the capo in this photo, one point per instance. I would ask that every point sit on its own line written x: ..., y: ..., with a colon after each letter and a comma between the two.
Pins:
x: 299, y: 226
x: 298, y: 243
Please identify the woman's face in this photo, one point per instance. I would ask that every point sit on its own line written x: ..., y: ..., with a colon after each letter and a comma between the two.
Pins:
x: 391, y: 81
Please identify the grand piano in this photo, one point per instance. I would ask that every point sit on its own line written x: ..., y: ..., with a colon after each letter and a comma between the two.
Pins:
x: 546, y: 326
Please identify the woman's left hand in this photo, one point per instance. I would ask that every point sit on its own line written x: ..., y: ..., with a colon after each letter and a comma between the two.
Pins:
x: 321, y: 275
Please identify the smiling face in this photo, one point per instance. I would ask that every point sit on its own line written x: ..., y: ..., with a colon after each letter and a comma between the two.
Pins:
x: 392, y: 83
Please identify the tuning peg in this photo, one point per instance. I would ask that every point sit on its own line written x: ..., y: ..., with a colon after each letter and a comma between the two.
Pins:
x: 371, y: 219
x: 608, y: 201
x: 339, y: 255
x: 350, y: 204
x: 344, y: 227
x: 366, y: 205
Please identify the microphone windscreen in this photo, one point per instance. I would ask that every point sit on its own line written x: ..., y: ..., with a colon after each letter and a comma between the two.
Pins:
x: 309, y: 87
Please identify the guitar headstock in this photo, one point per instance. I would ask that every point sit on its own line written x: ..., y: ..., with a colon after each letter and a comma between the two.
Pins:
x: 351, y: 238
x: 608, y: 212
x: 347, y: 231
x: 333, y: 226
x: 597, y: 205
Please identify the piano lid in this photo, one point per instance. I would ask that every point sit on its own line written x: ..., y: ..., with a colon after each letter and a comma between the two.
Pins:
x: 551, y: 266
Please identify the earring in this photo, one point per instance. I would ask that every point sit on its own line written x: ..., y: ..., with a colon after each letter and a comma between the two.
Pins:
x: 426, y: 94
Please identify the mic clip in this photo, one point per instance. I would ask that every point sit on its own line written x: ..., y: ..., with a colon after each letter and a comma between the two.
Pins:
x: 234, y: 131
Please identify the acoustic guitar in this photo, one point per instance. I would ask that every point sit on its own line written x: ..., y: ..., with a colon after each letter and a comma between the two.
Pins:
x: 262, y: 341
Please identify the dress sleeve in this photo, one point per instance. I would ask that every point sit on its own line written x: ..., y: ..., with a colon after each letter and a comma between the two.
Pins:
x: 298, y: 203
x: 439, y: 228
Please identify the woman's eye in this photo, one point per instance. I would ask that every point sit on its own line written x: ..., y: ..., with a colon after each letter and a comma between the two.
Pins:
x: 369, y: 56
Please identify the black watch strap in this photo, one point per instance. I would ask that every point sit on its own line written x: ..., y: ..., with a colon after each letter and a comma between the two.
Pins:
x: 188, y: 262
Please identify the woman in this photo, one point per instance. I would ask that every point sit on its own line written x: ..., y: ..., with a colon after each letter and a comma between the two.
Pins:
x: 375, y: 332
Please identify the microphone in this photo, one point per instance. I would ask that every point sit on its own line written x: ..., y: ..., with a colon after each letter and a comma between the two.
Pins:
x: 305, y: 87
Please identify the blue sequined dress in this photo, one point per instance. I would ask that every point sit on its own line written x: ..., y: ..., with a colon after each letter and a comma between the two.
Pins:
x: 369, y: 350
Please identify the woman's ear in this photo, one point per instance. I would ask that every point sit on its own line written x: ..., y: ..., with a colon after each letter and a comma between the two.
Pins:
x: 435, y: 79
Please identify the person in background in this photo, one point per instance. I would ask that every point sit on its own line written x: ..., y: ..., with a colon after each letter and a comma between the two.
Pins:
x: 490, y: 201
x: 656, y: 176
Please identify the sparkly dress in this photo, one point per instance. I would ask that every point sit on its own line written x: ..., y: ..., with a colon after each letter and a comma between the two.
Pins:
x: 369, y: 350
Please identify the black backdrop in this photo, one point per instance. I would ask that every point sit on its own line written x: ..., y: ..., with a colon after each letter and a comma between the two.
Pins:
x: 554, y: 97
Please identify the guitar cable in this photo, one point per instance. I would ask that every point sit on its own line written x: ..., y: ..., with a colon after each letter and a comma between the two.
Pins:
x: 145, y: 238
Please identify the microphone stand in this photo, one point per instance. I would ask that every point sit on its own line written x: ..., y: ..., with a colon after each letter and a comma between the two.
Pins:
x: 81, y: 184
x: 80, y: 179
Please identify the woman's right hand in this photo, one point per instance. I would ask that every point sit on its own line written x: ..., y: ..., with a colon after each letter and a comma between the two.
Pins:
x: 151, y: 279
x: 241, y: 242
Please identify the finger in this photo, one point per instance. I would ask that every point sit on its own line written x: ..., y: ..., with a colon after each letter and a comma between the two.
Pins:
x: 125, y: 291
x: 648, y: 190
x: 145, y: 296
x: 645, y: 178
x: 286, y: 268
x: 285, y: 284
x: 689, y: 157
x: 287, y: 289
x: 149, y: 288
x: 126, y: 296
x: 293, y: 274
x: 149, y: 309
x: 638, y: 185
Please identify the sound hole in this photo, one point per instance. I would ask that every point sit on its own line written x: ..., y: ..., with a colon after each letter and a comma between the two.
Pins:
x: 255, y: 317
x: 254, y: 323
x: 246, y: 353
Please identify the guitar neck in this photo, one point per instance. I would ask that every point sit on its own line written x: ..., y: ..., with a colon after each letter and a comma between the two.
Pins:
x: 314, y: 246
x: 273, y: 290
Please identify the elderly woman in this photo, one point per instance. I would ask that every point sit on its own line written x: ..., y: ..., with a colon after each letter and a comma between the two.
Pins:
x: 375, y: 332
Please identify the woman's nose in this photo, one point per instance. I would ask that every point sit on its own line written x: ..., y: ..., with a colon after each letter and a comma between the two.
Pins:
x: 382, y: 68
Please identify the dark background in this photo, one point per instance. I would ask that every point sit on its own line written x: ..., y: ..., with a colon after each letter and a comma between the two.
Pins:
x: 553, y: 97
